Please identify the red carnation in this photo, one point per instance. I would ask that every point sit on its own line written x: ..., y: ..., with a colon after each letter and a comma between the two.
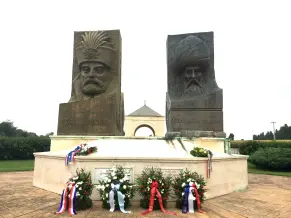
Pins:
x: 145, y: 197
x: 142, y: 186
x: 164, y: 198
x: 85, y: 193
x: 187, y: 175
x: 176, y: 190
x: 167, y: 186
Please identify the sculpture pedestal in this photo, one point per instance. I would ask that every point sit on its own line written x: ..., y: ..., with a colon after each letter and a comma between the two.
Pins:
x: 60, y: 143
x: 229, y: 171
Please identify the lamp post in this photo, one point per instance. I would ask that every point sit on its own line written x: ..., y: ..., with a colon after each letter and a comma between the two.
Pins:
x: 274, y: 130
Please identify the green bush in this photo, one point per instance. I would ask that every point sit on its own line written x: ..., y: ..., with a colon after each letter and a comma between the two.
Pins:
x: 22, y: 148
x: 272, y: 159
x: 250, y: 146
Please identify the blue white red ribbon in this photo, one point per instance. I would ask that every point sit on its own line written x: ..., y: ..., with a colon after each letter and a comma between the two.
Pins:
x: 120, y: 199
x: 188, y: 200
x: 70, y: 157
x: 70, y: 201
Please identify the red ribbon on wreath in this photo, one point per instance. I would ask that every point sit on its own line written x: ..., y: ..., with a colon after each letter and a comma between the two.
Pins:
x: 155, y: 192
x: 197, y: 198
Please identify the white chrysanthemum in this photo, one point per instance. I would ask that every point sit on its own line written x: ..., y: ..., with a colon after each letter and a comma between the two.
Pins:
x: 189, y: 180
x: 183, y: 193
x: 78, y: 194
x: 197, y: 185
x: 80, y: 188
x: 121, y: 180
x: 75, y: 178
x: 107, y: 185
x: 183, y: 184
x: 115, y: 177
x: 109, y: 180
x: 106, y: 195
x: 124, y: 186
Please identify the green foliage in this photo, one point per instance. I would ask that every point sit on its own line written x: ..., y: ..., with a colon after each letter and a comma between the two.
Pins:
x: 117, y: 175
x: 144, y: 182
x: 186, y: 177
x: 249, y: 147
x: 22, y: 148
x: 283, y: 133
x: 200, y: 152
x: 8, y: 129
x: 272, y: 159
x: 84, y: 187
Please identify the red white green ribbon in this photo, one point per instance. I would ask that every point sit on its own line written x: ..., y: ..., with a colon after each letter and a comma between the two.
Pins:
x: 68, y: 201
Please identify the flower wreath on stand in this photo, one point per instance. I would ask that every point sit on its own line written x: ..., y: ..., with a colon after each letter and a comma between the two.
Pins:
x: 115, y: 189
x: 188, y: 187
x: 202, y: 152
x: 154, y: 189
x: 81, y: 150
x: 77, y: 192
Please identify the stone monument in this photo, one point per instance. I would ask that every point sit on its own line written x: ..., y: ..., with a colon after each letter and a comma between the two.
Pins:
x: 96, y: 106
x: 194, y: 102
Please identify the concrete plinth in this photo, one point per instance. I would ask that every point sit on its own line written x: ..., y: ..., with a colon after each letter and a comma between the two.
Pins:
x: 229, y: 172
x: 60, y: 143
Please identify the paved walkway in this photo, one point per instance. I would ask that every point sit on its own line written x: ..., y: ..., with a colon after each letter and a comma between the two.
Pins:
x: 267, y: 196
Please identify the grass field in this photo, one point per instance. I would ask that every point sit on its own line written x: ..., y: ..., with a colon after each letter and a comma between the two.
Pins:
x: 16, y: 165
x: 252, y: 169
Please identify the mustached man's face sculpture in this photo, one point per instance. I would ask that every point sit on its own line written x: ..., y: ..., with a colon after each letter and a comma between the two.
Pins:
x: 94, y: 56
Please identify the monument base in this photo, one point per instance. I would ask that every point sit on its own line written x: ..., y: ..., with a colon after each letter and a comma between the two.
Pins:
x: 229, y: 172
x: 60, y: 143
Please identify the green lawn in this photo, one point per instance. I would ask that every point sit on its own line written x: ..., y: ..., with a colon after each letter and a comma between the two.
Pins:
x: 252, y: 169
x: 16, y: 165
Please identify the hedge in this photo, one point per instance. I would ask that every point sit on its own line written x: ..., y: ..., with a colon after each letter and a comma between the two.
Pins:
x: 272, y: 159
x: 22, y: 148
x: 250, y: 146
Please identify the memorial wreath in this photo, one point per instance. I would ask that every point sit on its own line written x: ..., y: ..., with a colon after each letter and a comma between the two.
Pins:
x: 77, y: 192
x: 154, y: 189
x: 202, y: 152
x: 115, y: 189
x: 189, y: 188
x: 80, y: 150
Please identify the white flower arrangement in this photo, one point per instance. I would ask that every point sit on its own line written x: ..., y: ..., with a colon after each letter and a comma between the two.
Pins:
x: 109, y: 181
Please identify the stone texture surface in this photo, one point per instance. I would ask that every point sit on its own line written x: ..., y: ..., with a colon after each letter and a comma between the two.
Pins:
x: 96, y: 87
x: 96, y: 116
x: 267, y: 196
x: 194, y: 101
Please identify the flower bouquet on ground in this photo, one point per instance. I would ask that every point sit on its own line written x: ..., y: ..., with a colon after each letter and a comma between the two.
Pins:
x: 144, y: 182
x: 77, y: 192
x: 190, y: 179
x: 115, y: 189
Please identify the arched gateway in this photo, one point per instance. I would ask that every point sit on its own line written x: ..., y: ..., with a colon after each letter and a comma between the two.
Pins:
x: 144, y: 118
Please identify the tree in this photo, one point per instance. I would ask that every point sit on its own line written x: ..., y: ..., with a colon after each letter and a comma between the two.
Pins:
x: 231, y: 136
x: 8, y: 129
x: 283, y: 133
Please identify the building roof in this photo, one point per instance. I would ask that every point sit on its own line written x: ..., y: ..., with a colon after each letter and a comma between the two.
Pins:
x: 144, y: 111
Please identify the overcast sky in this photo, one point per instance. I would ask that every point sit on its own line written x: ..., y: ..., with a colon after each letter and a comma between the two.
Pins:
x: 252, y: 56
